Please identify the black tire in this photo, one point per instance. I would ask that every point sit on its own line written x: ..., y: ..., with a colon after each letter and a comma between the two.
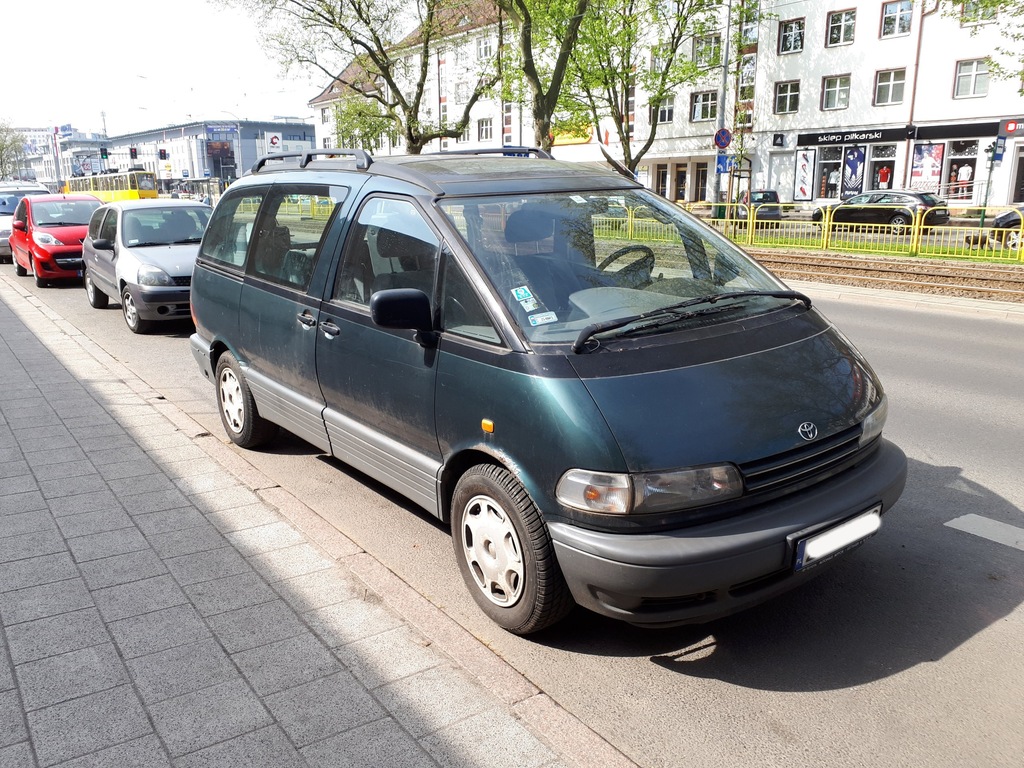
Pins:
x: 517, y: 584
x: 97, y: 298
x: 899, y: 224
x: 237, y: 408
x: 19, y: 270
x: 40, y: 282
x: 130, y: 313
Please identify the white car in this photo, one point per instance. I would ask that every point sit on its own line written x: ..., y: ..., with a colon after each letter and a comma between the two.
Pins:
x: 10, y: 195
x: 141, y: 253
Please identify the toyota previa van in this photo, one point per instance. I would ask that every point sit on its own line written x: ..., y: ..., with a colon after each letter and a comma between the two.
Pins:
x: 641, y: 421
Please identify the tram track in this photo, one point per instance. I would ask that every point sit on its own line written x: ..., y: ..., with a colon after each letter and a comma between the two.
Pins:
x: 967, y: 280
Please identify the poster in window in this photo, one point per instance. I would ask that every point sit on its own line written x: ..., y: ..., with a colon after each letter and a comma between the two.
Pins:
x: 853, y: 171
x: 926, y: 172
x: 803, y: 185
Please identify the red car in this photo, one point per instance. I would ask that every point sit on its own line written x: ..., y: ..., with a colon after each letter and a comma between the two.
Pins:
x: 47, y: 233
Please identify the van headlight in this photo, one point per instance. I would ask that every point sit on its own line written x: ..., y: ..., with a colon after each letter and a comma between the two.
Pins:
x: 150, y: 275
x: 644, y: 493
x: 871, y: 427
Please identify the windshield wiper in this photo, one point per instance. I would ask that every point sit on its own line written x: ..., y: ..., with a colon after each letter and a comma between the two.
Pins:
x: 673, y: 311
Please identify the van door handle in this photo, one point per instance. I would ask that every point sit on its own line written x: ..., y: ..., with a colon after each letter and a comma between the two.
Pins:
x: 307, y: 319
x: 329, y: 328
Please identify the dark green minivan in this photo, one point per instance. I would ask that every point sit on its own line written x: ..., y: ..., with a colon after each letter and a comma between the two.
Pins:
x: 626, y: 414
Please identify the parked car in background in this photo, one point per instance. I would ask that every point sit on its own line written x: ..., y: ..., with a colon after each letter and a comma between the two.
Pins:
x: 10, y: 196
x: 141, y: 253
x: 47, y: 233
x: 1006, y: 227
x: 765, y: 203
x: 896, y: 207
x: 645, y: 423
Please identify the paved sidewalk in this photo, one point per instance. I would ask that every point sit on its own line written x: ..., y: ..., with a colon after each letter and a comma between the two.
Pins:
x: 162, y: 603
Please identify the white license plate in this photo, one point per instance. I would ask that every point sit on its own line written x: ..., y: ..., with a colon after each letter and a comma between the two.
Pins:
x: 833, y: 541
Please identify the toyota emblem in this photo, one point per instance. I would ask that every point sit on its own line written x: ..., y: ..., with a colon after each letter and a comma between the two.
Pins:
x: 808, y: 431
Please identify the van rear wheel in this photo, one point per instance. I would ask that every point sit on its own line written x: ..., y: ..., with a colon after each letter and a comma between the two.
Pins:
x: 238, y: 413
x: 505, y: 553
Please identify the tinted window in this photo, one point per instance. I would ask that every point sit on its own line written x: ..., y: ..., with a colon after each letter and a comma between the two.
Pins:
x: 390, y: 246
x: 462, y: 311
x: 95, y: 221
x: 231, y: 228
x: 290, y: 229
x: 108, y: 229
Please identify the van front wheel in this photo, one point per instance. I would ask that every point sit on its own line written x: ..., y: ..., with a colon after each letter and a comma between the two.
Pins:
x: 505, y: 553
x: 238, y: 414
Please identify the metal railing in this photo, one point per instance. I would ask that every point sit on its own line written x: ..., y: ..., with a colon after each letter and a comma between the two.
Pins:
x: 968, y: 235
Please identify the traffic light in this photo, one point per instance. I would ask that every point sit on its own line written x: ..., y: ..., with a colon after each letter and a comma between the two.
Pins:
x: 134, y: 153
x: 163, y: 154
x: 103, y: 153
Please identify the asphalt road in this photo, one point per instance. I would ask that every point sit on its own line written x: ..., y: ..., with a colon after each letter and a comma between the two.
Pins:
x: 906, y: 653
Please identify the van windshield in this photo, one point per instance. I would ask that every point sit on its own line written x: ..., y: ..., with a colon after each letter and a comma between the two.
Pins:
x: 565, y: 261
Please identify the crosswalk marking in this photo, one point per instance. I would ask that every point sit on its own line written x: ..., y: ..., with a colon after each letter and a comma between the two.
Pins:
x: 993, y: 530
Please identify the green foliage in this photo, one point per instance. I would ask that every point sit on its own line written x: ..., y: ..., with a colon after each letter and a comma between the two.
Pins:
x: 1007, y: 61
x: 615, y: 56
x: 12, y: 149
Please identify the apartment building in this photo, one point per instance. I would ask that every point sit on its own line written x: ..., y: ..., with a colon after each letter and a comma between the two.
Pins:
x: 814, y: 99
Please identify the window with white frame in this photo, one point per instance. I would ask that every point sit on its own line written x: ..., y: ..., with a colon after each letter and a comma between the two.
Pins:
x: 465, y: 134
x: 707, y: 51
x: 325, y: 115
x: 835, y: 92
x: 327, y: 142
x: 971, y: 79
x: 484, y: 130
x: 744, y: 117
x: 629, y: 108
x: 791, y: 36
x: 664, y: 111
x: 841, y: 25
x: 975, y: 12
x: 442, y: 117
x: 484, y: 48
x: 889, y: 85
x: 748, y: 68
x: 787, y: 97
x: 659, y: 58
x: 506, y: 123
x: 748, y: 32
x: 896, y: 18
x: 703, y: 106
x: 461, y: 92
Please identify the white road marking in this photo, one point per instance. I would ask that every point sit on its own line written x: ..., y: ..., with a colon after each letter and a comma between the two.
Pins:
x: 1001, y: 533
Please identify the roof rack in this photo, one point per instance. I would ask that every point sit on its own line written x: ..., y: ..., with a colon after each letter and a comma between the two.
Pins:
x: 507, y: 151
x: 362, y: 158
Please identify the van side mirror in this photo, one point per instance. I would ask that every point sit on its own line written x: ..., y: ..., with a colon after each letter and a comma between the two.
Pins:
x: 404, y: 308
x: 102, y: 244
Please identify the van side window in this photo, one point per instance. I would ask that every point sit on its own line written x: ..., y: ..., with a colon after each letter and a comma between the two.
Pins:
x: 390, y: 246
x: 290, y: 230
x: 462, y: 313
x: 231, y: 227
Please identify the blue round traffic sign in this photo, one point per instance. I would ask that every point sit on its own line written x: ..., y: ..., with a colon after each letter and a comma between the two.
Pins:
x: 723, y: 138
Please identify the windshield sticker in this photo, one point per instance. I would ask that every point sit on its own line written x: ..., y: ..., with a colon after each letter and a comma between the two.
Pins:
x: 578, y: 199
x: 543, y: 318
x: 529, y: 304
x: 522, y: 293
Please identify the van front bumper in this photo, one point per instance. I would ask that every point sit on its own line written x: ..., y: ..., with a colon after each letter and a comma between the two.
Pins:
x: 697, y: 574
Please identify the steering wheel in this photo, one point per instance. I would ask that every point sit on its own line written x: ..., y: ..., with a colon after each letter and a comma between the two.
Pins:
x: 637, y: 273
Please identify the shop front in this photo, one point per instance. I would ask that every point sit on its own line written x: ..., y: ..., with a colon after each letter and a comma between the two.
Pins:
x: 840, y: 164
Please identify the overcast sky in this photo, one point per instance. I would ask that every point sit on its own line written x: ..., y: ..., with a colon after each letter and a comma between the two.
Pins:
x: 144, y: 64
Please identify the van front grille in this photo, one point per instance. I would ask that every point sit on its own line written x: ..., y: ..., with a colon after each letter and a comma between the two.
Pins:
x: 804, y: 463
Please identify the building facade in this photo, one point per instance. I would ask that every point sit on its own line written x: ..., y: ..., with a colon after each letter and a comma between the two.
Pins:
x: 814, y: 99
x: 179, y: 155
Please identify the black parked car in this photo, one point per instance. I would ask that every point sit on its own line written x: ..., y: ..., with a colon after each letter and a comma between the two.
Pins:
x: 896, y: 208
x: 1006, y: 227
x: 765, y: 202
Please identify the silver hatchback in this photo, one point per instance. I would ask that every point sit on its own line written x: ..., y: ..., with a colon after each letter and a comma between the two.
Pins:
x: 141, y: 253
